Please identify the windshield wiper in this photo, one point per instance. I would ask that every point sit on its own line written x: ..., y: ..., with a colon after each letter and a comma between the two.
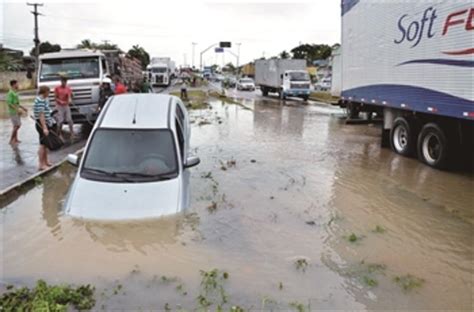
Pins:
x: 108, y: 173
x: 160, y: 177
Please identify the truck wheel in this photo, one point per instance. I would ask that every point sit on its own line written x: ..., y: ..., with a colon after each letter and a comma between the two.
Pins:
x: 432, y: 146
x: 264, y: 91
x: 353, y: 110
x: 305, y: 98
x: 402, y: 139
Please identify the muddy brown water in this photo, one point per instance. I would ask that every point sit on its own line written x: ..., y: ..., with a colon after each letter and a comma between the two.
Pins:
x: 302, y: 184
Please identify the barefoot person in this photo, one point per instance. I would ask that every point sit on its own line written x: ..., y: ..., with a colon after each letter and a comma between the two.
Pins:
x: 14, y: 111
x: 63, y: 97
x: 44, y: 122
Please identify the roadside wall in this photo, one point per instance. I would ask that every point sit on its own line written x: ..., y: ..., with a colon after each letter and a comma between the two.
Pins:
x: 24, y: 82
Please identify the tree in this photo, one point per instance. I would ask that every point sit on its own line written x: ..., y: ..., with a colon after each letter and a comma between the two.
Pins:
x: 229, y: 67
x: 140, y: 53
x: 86, y: 44
x: 284, y: 55
x: 312, y: 52
x: 8, y: 62
x: 46, y: 47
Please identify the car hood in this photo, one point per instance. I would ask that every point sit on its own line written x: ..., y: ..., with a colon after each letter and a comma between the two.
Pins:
x: 96, y: 200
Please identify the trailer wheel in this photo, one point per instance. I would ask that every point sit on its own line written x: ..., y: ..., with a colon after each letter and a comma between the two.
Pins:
x: 402, y: 139
x: 264, y: 91
x: 432, y: 146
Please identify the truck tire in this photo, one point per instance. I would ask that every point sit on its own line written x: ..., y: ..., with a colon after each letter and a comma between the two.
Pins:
x: 264, y: 91
x: 402, y: 139
x: 433, y: 146
x: 305, y: 98
x: 353, y: 110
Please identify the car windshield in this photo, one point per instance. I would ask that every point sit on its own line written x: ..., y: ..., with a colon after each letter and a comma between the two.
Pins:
x: 130, y: 155
x: 73, y: 68
x: 299, y: 76
x: 246, y: 81
x: 158, y: 70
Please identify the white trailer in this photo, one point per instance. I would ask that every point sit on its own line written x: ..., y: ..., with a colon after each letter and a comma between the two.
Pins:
x: 283, y: 76
x: 412, y: 62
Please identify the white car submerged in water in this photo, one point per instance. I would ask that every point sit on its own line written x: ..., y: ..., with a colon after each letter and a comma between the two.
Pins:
x: 135, y: 162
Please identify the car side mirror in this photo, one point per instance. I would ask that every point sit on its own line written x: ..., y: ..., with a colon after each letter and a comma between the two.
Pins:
x: 192, y: 161
x: 73, y: 159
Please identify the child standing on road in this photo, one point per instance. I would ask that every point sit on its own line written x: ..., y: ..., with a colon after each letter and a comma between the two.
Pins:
x: 14, y: 111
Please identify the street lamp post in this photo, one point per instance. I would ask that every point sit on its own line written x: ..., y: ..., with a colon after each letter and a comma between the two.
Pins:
x: 194, y: 46
x: 238, y: 54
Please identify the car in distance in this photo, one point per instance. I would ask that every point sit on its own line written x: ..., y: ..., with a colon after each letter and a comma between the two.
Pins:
x: 246, y: 84
x: 135, y: 162
x: 323, y: 85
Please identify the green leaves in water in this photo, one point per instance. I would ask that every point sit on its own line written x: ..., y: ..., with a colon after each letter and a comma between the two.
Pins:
x: 44, y: 297
x: 379, y: 229
x: 301, y: 264
x: 353, y: 238
x: 212, y: 288
x: 408, y: 282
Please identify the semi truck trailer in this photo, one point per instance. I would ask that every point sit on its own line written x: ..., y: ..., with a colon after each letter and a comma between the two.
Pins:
x: 283, y: 76
x: 412, y: 63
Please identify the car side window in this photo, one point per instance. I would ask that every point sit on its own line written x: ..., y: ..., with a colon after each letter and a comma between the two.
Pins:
x: 180, y: 115
x: 179, y: 131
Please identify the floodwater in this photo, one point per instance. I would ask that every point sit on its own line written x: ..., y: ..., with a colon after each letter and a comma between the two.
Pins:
x: 297, y: 184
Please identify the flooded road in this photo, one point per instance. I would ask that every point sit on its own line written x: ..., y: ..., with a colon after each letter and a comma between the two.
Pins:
x: 298, y: 209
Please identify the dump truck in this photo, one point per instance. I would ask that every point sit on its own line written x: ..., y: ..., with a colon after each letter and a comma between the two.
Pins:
x: 412, y: 63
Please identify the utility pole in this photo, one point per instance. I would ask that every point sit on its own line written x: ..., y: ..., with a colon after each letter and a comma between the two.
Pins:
x: 238, y: 53
x: 36, y: 40
x: 194, y: 45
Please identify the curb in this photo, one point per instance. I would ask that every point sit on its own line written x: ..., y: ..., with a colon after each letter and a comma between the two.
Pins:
x: 30, y: 180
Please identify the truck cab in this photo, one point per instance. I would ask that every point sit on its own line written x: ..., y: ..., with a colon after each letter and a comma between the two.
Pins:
x: 159, y: 74
x: 295, y: 83
x: 84, y: 70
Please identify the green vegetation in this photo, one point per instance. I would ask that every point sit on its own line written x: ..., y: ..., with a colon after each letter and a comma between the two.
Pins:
x: 379, y: 229
x: 197, y: 99
x: 369, y: 281
x: 44, y: 297
x: 353, y: 238
x: 301, y: 264
x: 324, y: 97
x: 298, y: 306
x: 212, y: 288
x: 408, y: 282
x: 38, y: 180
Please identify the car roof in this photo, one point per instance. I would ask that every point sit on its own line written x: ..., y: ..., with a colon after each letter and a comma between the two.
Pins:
x: 71, y: 53
x: 137, y: 111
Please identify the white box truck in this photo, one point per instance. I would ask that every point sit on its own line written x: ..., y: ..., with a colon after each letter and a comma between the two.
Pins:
x: 412, y: 62
x: 287, y: 77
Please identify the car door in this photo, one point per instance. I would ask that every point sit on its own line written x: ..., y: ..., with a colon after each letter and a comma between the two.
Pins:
x: 182, y: 120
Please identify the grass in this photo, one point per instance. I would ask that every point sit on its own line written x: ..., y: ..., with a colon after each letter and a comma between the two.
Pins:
x: 325, y: 97
x: 197, y: 99
x: 408, y: 282
x: 44, y: 297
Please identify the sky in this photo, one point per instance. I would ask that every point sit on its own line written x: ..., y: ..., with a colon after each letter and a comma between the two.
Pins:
x: 168, y: 28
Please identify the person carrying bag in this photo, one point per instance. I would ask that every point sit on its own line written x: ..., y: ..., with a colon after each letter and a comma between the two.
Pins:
x: 46, y: 128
